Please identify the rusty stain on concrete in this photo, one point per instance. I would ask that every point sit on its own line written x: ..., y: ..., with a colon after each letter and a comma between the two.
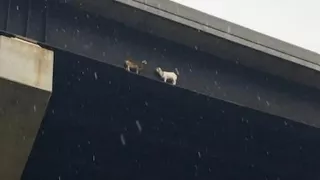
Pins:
x: 28, y: 63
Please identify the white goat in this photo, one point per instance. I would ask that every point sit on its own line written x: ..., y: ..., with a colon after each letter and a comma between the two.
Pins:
x: 167, y: 75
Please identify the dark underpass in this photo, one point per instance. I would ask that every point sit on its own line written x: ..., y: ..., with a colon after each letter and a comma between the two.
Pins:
x: 221, y: 121
x: 105, y: 123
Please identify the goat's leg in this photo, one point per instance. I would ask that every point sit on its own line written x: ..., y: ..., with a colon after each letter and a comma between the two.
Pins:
x: 174, y: 81
x: 165, y: 79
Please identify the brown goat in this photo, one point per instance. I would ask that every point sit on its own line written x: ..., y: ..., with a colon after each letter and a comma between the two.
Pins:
x: 130, y: 65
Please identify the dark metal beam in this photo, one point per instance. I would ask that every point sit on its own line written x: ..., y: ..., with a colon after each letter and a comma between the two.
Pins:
x: 63, y: 26
x: 213, y: 35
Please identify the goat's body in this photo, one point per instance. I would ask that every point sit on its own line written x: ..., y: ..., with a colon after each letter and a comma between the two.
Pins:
x: 170, y: 76
x: 167, y: 76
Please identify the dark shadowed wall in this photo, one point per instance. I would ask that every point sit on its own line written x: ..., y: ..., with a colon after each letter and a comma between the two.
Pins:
x: 105, y: 123
x: 73, y: 29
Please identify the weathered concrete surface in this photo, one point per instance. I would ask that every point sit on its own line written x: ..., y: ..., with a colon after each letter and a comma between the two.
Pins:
x: 26, y: 72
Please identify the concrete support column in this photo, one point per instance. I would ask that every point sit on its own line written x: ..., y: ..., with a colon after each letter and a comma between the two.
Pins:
x: 26, y: 72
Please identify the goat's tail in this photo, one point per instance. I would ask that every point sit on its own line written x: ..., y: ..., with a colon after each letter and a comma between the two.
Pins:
x: 177, y: 72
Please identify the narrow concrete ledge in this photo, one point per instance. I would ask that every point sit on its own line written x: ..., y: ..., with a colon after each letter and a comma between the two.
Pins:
x: 26, y: 72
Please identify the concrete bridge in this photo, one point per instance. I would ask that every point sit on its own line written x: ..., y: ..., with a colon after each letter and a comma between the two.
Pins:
x: 246, y: 106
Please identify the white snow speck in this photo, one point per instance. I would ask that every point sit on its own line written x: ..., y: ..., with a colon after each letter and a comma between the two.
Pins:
x: 139, y: 126
x: 176, y: 69
x: 258, y: 97
x: 199, y: 154
x: 123, y: 141
x: 267, y: 102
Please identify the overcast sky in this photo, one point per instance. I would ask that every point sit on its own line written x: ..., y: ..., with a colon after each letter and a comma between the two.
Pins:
x: 293, y: 21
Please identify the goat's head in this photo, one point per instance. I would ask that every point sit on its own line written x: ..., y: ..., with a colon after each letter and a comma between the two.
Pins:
x: 144, y: 62
x: 158, y: 69
x: 127, y: 62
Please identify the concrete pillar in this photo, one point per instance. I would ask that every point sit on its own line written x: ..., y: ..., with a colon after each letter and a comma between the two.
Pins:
x: 26, y: 72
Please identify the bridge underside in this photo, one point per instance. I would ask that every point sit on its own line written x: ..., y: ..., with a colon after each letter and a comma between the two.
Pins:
x: 227, y: 118
x: 103, y: 122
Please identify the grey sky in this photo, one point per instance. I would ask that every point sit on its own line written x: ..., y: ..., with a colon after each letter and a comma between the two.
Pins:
x: 293, y: 21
